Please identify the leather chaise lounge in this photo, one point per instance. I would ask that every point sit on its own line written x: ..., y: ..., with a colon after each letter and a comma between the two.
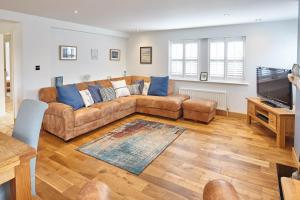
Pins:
x: 61, y: 120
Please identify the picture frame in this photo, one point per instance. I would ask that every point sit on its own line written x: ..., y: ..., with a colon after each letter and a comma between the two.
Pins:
x: 145, y: 55
x: 58, y: 81
x: 203, y: 76
x: 115, y: 54
x: 94, y: 54
x: 67, y: 52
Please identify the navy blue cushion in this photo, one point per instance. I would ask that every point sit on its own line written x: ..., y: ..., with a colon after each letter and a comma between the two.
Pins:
x: 159, y: 86
x: 95, y: 92
x: 141, y: 84
x: 70, y: 95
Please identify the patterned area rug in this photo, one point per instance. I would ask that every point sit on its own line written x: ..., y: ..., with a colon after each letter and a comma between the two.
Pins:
x: 134, y: 145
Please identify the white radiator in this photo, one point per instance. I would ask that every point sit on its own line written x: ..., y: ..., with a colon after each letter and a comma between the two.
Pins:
x: 219, y: 96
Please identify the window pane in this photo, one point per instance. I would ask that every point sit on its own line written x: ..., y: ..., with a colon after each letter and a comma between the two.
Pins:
x: 177, y: 68
x: 191, y: 68
x: 217, y: 50
x: 216, y: 69
x: 191, y: 50
x: 235, y: 50
x: 235, y: 69
x: 177, y: 51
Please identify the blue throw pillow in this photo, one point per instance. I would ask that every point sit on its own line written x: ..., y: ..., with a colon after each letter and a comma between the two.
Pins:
x: 70, y: 95
x: 159, y: 86
x: 95, y: 92
x: 141, y: 84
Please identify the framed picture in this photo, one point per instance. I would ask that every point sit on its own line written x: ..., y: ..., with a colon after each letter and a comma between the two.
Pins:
x: 59, y: 81
x: 146, y: 55
x: 115, y: 54
x: 67, y: 52
x: 203, y: 76
x: 94, y: 54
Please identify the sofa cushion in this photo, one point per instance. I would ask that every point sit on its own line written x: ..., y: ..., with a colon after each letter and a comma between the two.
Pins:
x: 134, y: 89
x: 70, y: 95
x: 126, y: 102
x: 159, y: 86
x: 107, y: 94
x: 120, y: 88
x: 86, y: 115
x: 95, y: 92
x: 171, y: 103
x: 140, y: 83
x: 205, y: 106
x: 107, y: 108
x: 146, y: 89
x: 86, y: 97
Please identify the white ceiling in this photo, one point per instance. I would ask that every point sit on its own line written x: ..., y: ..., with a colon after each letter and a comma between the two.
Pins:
x: 145, y: 15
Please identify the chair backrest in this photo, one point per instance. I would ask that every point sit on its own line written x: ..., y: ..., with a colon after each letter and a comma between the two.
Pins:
x: 29, y: 121
x: 27, y: 129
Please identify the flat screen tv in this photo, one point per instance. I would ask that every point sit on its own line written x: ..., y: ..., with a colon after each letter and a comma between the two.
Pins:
x: 274, y: 87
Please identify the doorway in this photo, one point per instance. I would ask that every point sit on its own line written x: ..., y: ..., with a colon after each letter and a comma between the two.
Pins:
x: 6, y: 97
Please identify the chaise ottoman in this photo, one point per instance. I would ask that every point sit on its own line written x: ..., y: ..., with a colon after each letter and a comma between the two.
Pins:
x: 199, y: 110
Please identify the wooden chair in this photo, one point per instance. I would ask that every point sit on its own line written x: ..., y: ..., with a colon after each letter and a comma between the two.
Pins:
x: 94, y: 190
x: 219, y: 190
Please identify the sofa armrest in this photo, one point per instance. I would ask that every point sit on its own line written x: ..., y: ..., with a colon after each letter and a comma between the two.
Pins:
x: 60, y: 110
x: 59, y: 120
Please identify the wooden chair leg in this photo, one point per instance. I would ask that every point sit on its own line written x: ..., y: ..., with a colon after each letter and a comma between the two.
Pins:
x: 20, y: 185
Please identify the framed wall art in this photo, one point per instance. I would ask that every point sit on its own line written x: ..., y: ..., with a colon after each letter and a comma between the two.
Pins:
x: 94, y: 54
x: 146, y: 55
x: 67, y: 52
x: 115, y: 54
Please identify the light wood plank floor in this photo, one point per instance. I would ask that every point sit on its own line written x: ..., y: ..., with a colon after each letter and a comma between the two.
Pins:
x: 7, y: 121
x: 226, y: 149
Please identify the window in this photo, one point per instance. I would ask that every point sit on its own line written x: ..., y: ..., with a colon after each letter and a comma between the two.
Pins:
x: 183, y: 60
x: 226, y: 58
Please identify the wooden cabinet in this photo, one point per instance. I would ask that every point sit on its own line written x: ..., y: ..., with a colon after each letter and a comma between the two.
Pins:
x: 273, y: 121
x: 279, y: 120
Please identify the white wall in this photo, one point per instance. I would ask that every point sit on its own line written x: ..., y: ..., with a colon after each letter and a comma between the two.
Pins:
x: 272, y: 44
x: 36, y: 42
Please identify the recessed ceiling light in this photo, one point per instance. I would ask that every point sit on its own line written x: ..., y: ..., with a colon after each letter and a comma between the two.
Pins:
x: 75, y: 11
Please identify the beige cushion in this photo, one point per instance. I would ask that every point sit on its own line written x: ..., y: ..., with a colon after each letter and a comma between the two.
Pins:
x: 205, y: 106
x: 86, y: 115
x: 120, y: 88
x: 126, y: 102
x: 107, y: 108
x: 172, y: 103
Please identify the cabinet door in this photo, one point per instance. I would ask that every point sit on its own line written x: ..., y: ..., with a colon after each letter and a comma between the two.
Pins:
x: 272, y: 121
x: 251, y: 108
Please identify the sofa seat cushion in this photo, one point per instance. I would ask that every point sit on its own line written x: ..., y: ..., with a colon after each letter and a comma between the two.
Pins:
x: 107, y: 108
x: 204, y: 106
x: 171, y: 103
x: 86, y: 115
x: 126, y: 102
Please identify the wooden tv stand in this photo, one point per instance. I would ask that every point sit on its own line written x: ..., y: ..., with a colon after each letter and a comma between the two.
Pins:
x: 279, y: 120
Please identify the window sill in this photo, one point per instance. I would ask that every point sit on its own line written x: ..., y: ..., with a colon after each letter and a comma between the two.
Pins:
x: 212, y: 81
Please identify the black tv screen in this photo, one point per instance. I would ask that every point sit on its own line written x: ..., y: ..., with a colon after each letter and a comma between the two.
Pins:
x: 274, y: 86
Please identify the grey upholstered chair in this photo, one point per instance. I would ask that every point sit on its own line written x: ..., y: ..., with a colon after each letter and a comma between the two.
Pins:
x: 27, y: 129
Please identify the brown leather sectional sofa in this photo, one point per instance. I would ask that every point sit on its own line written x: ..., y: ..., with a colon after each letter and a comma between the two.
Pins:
x: 62, y: 121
